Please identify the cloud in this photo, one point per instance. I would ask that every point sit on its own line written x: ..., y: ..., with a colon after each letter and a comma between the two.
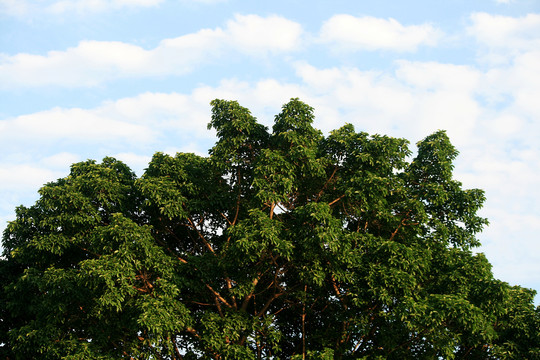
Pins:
x: 23, y: 176
x: 73, y: 125
x: 138, y: 125
x: 96, y: 6
x: 40, y: 147
x: 32, y: 8
x: 88, y: 64
x: 255, y: 35
x: 498, y: 144
x: 14, y: 7
x: 489, y: 109
x: 419, y: 98
x: 136, y: 162
x: 93, y: 62
x: 60, y: 160
x: 369, y: 33
x: 434, y: 75
x: 184, y: 116
x: 412, y: 101
x: 505, y: 33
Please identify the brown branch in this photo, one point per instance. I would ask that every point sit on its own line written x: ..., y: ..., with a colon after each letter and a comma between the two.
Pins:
x: 420, y: 334
x: 283, y: 308
x: 200, y: 235
x: 193, y: 332
x: 218, y: 305
x: 142, y: 290
x: 338, y: 293
x: 400, y: 225
x: 176, y: 350
x: 124, y: 351
x: 162, y: 243
x: 395, y: 232
x: 362, y: 339
x: 89, y: 251
x: 237, y: 199
x: 225, y: 217
x: 336, y: 200
x: 272, y: 207
x: 201, y: 303
x: 254, y: 284
x: 229, y: 287
x: 268, y: 303
x: 218, y: 296
x: 304, y: 326
x: 327, y: 182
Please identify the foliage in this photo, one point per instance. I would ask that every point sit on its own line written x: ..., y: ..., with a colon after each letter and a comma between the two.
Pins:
x: 283, y: 244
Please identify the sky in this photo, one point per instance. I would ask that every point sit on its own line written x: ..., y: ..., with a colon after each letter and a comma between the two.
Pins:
x: 85, y: 79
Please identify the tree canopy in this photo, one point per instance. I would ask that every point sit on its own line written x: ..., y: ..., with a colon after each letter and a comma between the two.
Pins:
x: 281, y: 244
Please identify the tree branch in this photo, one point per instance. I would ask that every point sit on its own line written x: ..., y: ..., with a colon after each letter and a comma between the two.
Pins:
x: 268, y: 303
x: 336, y: 200
x: 229, y: 287
x: 254, y: 284
x: 272, y: 207
x: 162, y: 243
x: 327, y: 182
x: 218, y: 296
x: 206, y: 243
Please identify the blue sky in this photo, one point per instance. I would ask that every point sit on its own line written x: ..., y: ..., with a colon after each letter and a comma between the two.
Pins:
x: 86, y: 79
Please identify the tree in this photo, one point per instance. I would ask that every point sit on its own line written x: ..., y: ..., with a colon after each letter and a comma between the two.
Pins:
x: 283, y: 244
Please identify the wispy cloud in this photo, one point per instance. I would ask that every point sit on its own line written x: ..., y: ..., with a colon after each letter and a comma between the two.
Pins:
x: 93, y: 62
x: 24, y: 176
x: 96, y: 6
x: 32, y: 8
x: 15, y: 7
x: 489, y: 108
x: 133, y: 122
x: 504, y: 34
x: 350, y: 33
x: 73, y: 125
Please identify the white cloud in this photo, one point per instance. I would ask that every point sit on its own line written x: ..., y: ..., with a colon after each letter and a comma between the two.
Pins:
x: 60, y: 160
x: 14, y: 7
x: 135, y: 162
x: 369, y: 33
x: 415, y: 100
x: 139, y: 125
x: 88, y: 64
x: 489, y: 110
x: 505, y: 32
x: 255, y: 35
x: 513, y: 89
x: 93, y: 62
x: 95, y: 6
x: 32, y: 9
x: 73, y: 125
x: 40, y: 147
x: 35, y: 8
x: 23, y: 176
x: 163, y: 113
x: 434, y: 75
x: 418, y: 99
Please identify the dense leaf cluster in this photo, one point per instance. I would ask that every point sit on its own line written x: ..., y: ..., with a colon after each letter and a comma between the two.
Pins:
x: 284, y: 244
